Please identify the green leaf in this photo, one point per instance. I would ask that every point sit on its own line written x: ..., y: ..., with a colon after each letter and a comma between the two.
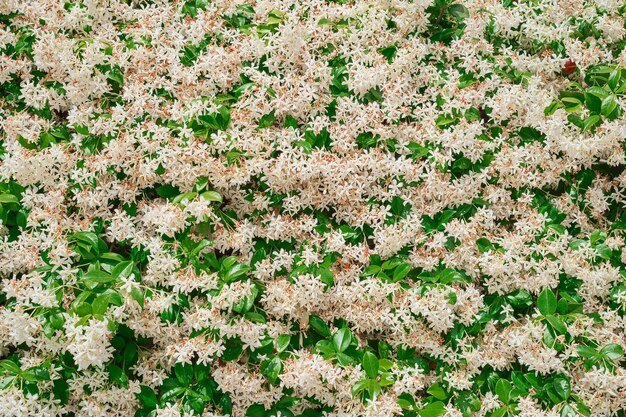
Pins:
x: 130, y: 353
x: 577, y: 244
x: 60, y: 390
x: 503, y: 390
x: 89, y: 238
x: 593, y: 98
x: 604, y: 251
x: 306, y: 146
x: 499, y: 412
x: 520, y: 299
x: 586, y: 352
x: 442, y: 121
x: 459, y: 11
x: 138, y: 295
x: 167, y: 191
x: 82, y: 309
x: 282, y: 342
x: 342, y: 339
x: 344, y: 360
x: 184, y: 197
x: 203, y: 244
x: 36, y: 374
x: 405, y: 404
x: 484, y: 245
x: 267, y: 120
x: 6, y: 381
x: 373, y: 388
x: 116, y: 76
x: 576, y: 120
x: 117, y: 375
x: 326, y: 276
x: 614, y: 79
x: 467, y: 402
x: 612, y: 351
x: 401, y: 271
x: 122, y: 270
x: 590, y: 122
x: 370, y: 364
x: 183, y: 373
x: 437, y: 391
x: 557, y: 324
x: 10, y: 366
x: 255, y: 317
x: 147, y: 397
x: 597, y: 236
x: 326, y: 348
x: 385, y: 365
x: 170, y: 393
x: 568, y: 411
x: 435, y: 409
x: 223, y: 117
x: 388, y: 52
x: 271, y: 369
x: 93, y: 278
x: 211, y: 196
x: 552, y: 107
x: 562, y: 387
x: 417, y: 151
x: 8, y: 198
x: 572, y: 104
x: 546, y: 302
x: 235, y: 272
x: 583, y: 409
x: 319, y: 326
x: 371, y: 270
x: 255, y: 410
x: 101, y: 303
x: 228, y: 262
x: 609, y: 105
x: 359, y: 386
x: 449, y: 275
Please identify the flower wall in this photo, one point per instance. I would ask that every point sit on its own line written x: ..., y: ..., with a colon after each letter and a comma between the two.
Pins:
x: 312, y: 208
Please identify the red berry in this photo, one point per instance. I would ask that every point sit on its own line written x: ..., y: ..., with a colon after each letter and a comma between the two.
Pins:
x: 569, y: 67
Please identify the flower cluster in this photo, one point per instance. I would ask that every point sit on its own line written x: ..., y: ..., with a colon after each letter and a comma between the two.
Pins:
x: 312, y: 208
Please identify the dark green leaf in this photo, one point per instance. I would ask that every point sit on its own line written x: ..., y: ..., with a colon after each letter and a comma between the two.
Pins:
x: 459, y: 11
x: 557, y: 324
x: 503, y: 390
x: 342, y: 339
x: 319, y: 326
x: 282, y: 342
x: 271, y: 369
x: 267, y: 120
x: 546, y: 302
x: 147, y: 397
x: 370, y: 364
x: 609, y: 105
x: 437, y: 391
x: 122, y: 270
x: 590, y: 122
x: 435, y: 409
x: 235, y: 272
x: 96, y: 277
x: 612, y: 351
x: 562, y: 387
x: 401, y: 271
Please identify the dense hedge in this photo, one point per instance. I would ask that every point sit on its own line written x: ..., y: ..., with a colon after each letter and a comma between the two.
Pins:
x: 312, y: 208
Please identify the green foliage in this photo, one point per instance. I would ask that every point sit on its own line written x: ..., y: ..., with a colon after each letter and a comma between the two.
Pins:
x: 600, y: 100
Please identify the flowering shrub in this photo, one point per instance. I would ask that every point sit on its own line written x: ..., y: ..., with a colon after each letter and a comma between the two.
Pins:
x: 312, y: 208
